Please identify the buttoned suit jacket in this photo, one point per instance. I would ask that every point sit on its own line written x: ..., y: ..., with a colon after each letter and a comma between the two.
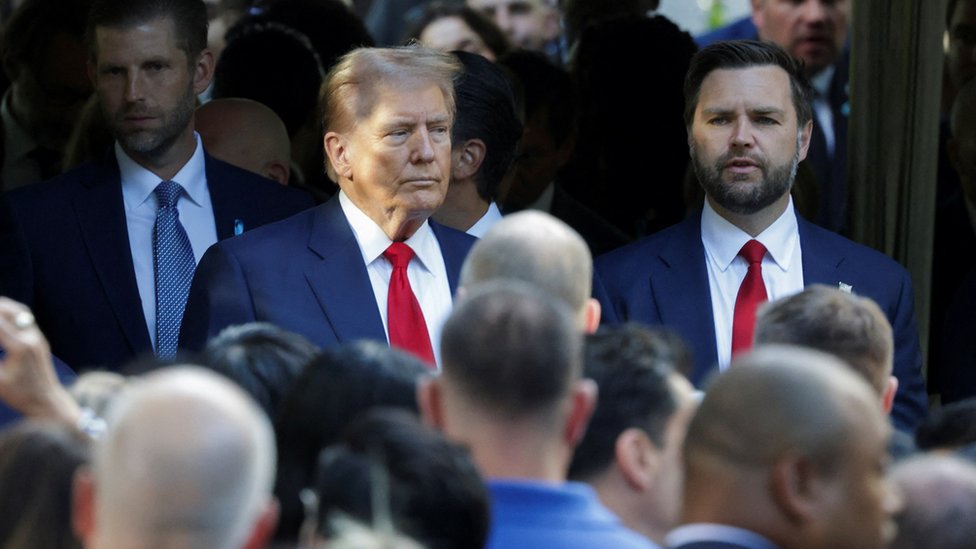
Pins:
x: 64, y: 251
x: 663, y: 280
x: 305, y: 274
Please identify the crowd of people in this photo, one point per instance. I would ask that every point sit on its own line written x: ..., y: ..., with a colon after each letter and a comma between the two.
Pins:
x: 398, y: 273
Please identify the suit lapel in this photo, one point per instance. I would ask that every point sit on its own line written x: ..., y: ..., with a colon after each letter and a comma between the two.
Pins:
x: 679, y: 287
x: 340, y: 281
x: 101, y: 217
x: 222, y: 198
x: 821, y: 261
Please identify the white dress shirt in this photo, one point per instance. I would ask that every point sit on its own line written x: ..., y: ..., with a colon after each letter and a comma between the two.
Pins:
x: 782, y: 267
x: 492, y: 216
x: 195, y: 211
x: 426, y: 272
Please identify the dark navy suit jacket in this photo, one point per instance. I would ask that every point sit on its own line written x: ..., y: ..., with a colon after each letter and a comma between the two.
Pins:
x: 305, y: 274
x: 64, y: 251
x: 662, y: 279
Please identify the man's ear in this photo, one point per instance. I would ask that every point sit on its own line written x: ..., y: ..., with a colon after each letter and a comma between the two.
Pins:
x: 591, y: 316
x: 637, y: 458
x: 468, y: 159
x: 264, y: 528
x: 203, y: 71
x: 794, y: 484
x: 337, y: 149
x: 583, y: 403
x: 83, y: 505
x: 430, y: 400
x: 805, y: 135
x: 888, y: 397
x: 277, y: 171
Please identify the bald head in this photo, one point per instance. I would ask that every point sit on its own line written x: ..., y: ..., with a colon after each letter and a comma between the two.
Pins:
x: 247, y: 134
x: 940, y: 501
x: 842, y: 324
x: 538, y: 249
x: 774, y: 400
x: 802, y: 438
x: 188, y: 457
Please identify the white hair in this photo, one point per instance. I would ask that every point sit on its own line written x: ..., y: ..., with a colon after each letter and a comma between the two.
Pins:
x: 188, y: 459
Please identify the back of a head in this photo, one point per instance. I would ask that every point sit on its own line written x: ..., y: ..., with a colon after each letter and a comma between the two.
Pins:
x: 247, y: 134
x: 189, y: 18
x: 262, y: 358
x: 545, y: 87
x: 950, y: 426
x: 330, y: 25
x: 847, y: 326
x: 487, y: 110
x: 273, y: 65
x: 511, y: 351
x: 535, y: 248
x: 37, y: 463
x: 388, y: 463
x: 939, y: 494
x: 339, y: 385
x: 31, y: 27
x: 775, y: 400
x: 632, y: 366
x: 187, y: 456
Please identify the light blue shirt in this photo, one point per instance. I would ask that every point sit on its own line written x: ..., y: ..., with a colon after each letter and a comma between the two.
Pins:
x: 487, y: 221
x: 196, y: 216
x: 700, y: 532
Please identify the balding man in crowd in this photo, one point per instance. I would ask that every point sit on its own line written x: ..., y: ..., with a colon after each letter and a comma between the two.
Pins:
x: 839, y: 323
x: 940, y: 501
x: 787, y: 450
x: 539, y: 249
x: 631, y: 453
x: 367, y: 264
x: 187, y: 461
x: 512, y: 392
x: 247, y: 134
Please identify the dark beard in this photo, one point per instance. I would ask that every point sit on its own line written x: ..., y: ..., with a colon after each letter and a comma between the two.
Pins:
x: 776, y: 181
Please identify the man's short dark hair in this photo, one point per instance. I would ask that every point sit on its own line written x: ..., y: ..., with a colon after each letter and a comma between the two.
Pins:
x: 742, y: 54
x: 274, y: 65
x: 850, y: 327
x: 545, y: 87
x: 340, y: 384
x: 950, y: 426
x: 487, y: 110
x: 189, y: 19
x: 262, y: 358
x: 34, y: 24
x: 512, y: 349
x: 631, y: 366
x: 422, y: 16
x: 434, y: 492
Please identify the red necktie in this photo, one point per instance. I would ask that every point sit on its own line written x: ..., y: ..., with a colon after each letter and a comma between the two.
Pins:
x: 404, y: 318
x: 752, y: 292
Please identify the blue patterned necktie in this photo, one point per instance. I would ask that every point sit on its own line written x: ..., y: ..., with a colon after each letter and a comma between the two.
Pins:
x: 173, y: 266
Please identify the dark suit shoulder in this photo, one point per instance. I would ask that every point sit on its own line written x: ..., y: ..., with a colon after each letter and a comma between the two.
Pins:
x: 828, y: 244
x: 255, y: 186
x: 645, y: 250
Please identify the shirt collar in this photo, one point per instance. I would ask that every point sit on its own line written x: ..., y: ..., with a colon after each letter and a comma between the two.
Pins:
x: 480, y: 227
x: 138, y: 183
x: 723, y: 240
x: 373, y: 241
x: 544, y: 202
x: 17, y: 141
x: 821, y: 80
x: 690, y: 533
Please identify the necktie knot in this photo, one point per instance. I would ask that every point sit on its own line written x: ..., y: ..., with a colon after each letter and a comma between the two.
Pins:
x: 167, y: 193
x: 399, y: 255
x: 753, y: 252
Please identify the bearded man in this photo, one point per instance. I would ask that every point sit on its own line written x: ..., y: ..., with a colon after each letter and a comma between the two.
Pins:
x: 749, y: 123
x: 104, y: 254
